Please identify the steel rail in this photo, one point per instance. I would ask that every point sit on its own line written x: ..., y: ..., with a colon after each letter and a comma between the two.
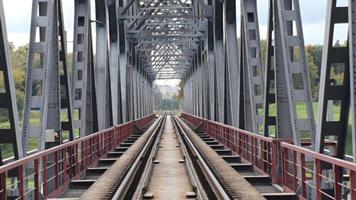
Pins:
x: 190, y: 165
x: 214, y: 183
x: 148, y: 169
x: 125, y: 185
x: 192, y: 175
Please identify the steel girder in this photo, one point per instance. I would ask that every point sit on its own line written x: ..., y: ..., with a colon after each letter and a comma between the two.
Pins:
x: 163, y: 27
x: 10, y: 134
x: 352, y: 43
x: 83, y: 87
x: 211, y: 66
x: 232, y: 65
x: 123, y: 49
x: 65, y: 89
x: 337, y: 95
x: 114, y: 63
x: 42, y: 115
x: 102, y: 69
x: 251, y: 67
x: 219, y: 40
x: 287, y: 77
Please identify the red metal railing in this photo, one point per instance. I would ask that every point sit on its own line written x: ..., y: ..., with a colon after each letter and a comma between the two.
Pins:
x: 48, y: 173
x: 317, y: 176
x: 309, y: 174
x: 256, y: 149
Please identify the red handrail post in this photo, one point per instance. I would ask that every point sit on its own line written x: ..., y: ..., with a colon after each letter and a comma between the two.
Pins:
x: 36, y: 172
x: 275, y: 165
x: 338, y: 179
x: 318, y: 178
x: 21, y: 181
x: 302, y: 163
x: 353, y: 184
x: 44, y: 175
x: 295, y: 171
x: 285, y: 166
x: 56, y: 170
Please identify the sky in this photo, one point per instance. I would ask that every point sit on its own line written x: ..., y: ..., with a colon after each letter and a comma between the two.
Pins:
x: 18, y: 16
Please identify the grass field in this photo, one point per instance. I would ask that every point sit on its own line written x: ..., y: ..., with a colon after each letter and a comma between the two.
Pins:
x: 7, y: 150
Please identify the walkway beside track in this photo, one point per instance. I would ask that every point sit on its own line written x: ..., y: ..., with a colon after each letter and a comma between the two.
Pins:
x: 169, y: 178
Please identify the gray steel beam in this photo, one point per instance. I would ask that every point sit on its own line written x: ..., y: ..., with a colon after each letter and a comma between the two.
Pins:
x: 232, y: 65
x: 252, y: 67
x: 334, y: 95
x: 10, y: 133
x: 123, y: 64
x: 352, y: 53
x: 65, y: 89
x: 115, y: 83
x: 219, y: 50
x: 102, y: 69
x: 270, y: 120
x: 291, y: 75
x: 83, y: 88
x: 42, y: 101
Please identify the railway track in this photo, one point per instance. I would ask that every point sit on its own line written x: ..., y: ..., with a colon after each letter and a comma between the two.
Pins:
x: 173, y: 169
x: 167, y: 161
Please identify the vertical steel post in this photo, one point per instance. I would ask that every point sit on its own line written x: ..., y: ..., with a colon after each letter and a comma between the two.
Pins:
x: 83, y: 88
x: 352, y: 53
x: 115, y: 83
x: 232, y: 64
x: 102, y: 72
x: 219, y: 40
x: 252, y: 66
x: 65, y: 89
x: 291, y: 77
x: 123, y: 64
x: 335, y: 92
x: 42, y: 105
x: 8, y: 106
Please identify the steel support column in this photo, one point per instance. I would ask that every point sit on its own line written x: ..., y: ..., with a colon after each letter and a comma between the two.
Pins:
x: 252, y: 67
x: 10, y: 133
x: 352, y: 53
x: 83, y: 88
x: 232, y: 65
x: 219, y: 40
x: 115, y: 83
x: 334, y: 95
x: 42, y: 115
x: 102, y: 69
x: 287, y: 76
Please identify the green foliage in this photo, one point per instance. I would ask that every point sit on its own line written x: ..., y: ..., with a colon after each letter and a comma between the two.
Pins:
x: 314, y: 69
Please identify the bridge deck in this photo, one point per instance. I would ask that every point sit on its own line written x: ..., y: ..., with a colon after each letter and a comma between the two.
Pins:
x: 229, y: 153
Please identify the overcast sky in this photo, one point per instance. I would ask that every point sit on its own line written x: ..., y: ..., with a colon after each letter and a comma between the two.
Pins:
x: 18, y: 14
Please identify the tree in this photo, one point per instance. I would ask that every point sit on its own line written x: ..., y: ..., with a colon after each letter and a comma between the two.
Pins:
x: 314, y: 71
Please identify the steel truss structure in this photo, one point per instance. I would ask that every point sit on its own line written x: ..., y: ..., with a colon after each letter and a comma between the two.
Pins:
x: 287, y: 78
x: 109, y: 85
x: 48, y: 100
x: 240, y: 91
x: 337, y: 97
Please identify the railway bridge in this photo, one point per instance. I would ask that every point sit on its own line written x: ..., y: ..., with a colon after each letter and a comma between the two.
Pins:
x: 249, y: 127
